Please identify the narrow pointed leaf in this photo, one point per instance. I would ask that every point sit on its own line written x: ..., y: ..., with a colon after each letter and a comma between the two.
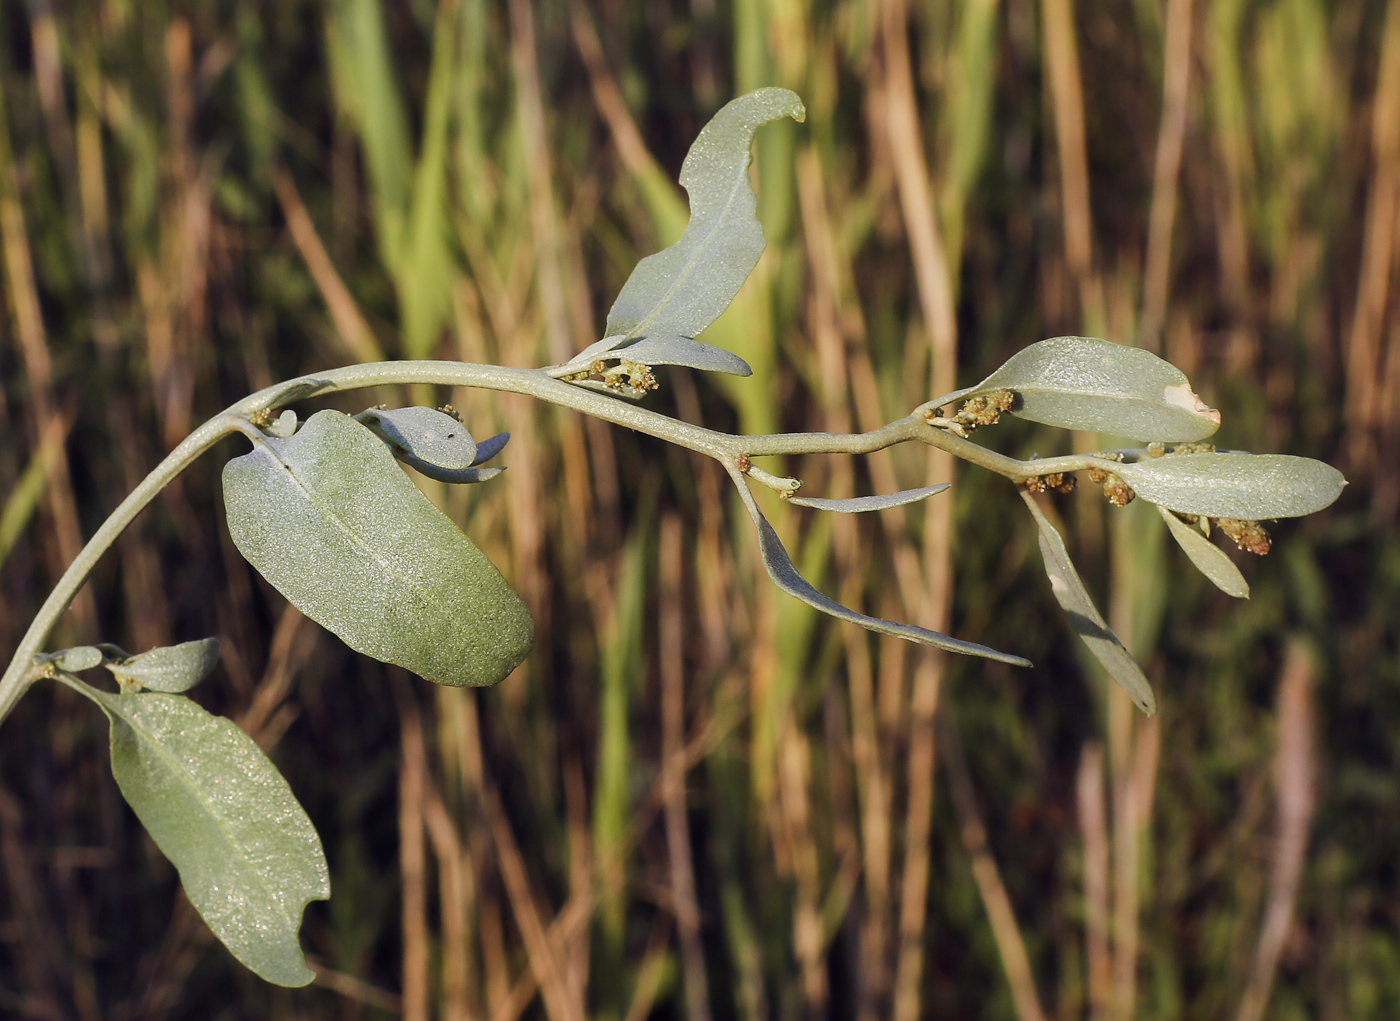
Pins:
x: 329, y: 519
x: 1092, y: 384
x: 860, y: 504
x: 247, y: 854
x: 681, y: 290
x: 1210, y: 559
x: 1084, y: 616
x: 1235, y: 485
x: 173, y: 668
x: 785, y: 575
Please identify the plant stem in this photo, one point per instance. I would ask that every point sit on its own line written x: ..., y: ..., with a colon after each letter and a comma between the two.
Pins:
x: 726, y: 448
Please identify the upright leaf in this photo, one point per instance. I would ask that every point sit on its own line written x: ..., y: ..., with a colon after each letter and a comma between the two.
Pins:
x: 680, y: 291
x: 247, y: 854
x: 328, y: 518
x: 1210, y: 559
x: 1084, y: 616
x: 1086, y: 383
x: 673, y: 295
x: 1235, y: 485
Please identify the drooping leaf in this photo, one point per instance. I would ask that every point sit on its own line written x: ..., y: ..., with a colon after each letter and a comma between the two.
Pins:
x: 860, y: 504
x: 173, y: 668
x: 329, y: 519
x: 680, y: 290
x: 1210, y: 559
x: 785, y: 575
x: 1091, y: 384
x: 1235, y: 485
x: 1084, y: 616
x: 247, y: 854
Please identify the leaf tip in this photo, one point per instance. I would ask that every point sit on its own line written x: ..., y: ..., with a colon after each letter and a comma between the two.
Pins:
x: 1184, y: 397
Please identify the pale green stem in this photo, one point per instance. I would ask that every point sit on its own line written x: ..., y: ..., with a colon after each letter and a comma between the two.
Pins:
x: 726, y: 448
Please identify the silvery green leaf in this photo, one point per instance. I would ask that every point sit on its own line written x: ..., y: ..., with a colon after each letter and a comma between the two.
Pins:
x: 785, y: 575
x: 490, y: 447
x: 247, y: 854
x: 681, y: 290
x: 859, y: 504
x: 1086, y: 383
x: 285, y: 425
x: 585, y: 358
x: 1235, y: 485
x: 82, y: 657
x: 695, y: 354
x: 329, y: 519
x: 173, y: 668
x: 1084, y: 616
x: 426, y: 435
x: 1210, y: 559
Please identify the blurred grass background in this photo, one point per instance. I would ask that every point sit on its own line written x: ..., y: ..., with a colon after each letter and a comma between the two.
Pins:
x: 696, y: 799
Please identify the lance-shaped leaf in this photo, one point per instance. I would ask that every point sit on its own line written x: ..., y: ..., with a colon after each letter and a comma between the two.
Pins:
x: 1086, y: 383
x: 1210, y: 559
x: 860, y: 504
x: 1235, y: 485
x: 679, y: 291
x: 785, y: 575
x: 173, y: 668
x: 1084, y: 616
x: 246, y: 852
x: 328, y: 518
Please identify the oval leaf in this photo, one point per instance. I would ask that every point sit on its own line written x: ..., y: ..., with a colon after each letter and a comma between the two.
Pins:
x: 1235, y: 485
x: 422, y: 435
x: 1092, y: 384
x: 785, y: 575
x: 329, y: 519
x: 82, y: 657
x: 1084, y: 616
x: 1210, y: 559
x: 860, y: 504
x: 681, y: 290
x: 247, y: 854
x: 173, y: 668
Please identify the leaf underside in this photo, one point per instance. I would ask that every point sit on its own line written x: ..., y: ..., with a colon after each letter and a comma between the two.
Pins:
x: 1084, y: 616
x: 247, y: 854
x: 1096, y: 385
x: 1251, y: 487
x: 785, y: 575
x: 331, y: 521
